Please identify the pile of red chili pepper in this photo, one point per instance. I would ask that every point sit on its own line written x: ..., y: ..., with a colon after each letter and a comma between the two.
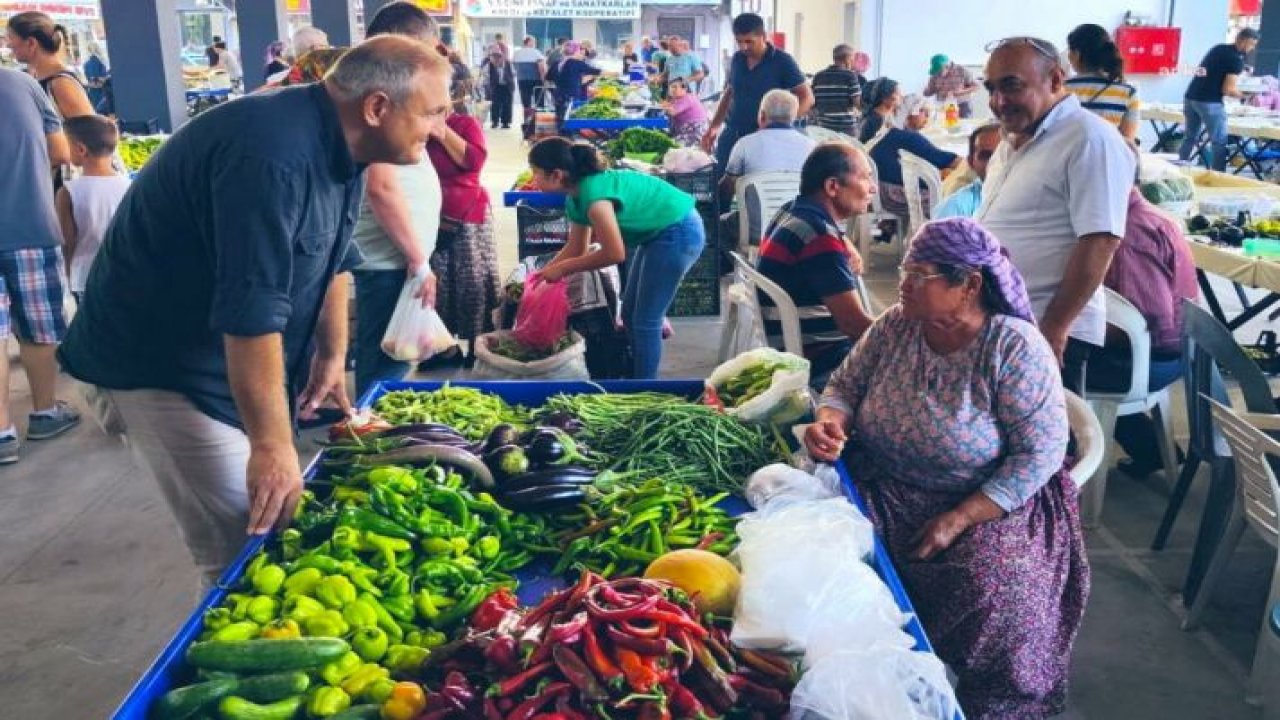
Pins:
x: 627, y: 649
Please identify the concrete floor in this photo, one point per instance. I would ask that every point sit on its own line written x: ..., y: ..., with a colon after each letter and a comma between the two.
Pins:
x: 94, y: 577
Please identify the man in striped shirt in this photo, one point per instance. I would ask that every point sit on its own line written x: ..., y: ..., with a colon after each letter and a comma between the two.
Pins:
x: 837, y: 93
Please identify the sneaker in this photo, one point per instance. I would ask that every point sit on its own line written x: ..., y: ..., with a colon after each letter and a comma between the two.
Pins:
x: 43, y: 427
x: 9, y: 450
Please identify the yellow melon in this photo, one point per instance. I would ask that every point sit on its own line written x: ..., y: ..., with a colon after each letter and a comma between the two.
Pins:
x: 709, y: 579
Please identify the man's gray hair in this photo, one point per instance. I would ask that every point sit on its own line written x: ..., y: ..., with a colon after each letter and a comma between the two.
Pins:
x: 387, y: 64
x: 308, y: 38
x: 779, y: 106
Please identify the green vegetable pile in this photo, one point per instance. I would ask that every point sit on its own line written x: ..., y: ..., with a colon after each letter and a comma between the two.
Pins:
x: 749, y: 383
x: 509, y: 347
x: 135, y: 152
x: 472, y: 412
x: 641, y: 141
x: 599, y: 109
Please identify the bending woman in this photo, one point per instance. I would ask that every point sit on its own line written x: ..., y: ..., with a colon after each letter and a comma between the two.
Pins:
x: 954, y: 409
x: 622, y: 210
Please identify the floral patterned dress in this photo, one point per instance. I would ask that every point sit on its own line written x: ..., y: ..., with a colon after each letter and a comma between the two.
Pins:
x: 1002, y: 605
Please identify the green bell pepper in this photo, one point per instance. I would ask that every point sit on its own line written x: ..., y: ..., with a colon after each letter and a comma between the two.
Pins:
x: 263, y: 608
x: 335, y: 591
x: 303, y: 582
x: 360, y: 614
x: 341, y: 669
x: 370, y: 643
x: 404, y: 658
x: 328, y: 623
x: 326, y: 701
x: 268, y: 579
x: 301, y: 607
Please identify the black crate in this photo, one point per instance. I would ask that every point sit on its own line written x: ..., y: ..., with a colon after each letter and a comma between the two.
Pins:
x: 701, y: 184
x: 696, y: 296
x: 707, y: 264
x: 541, y: 230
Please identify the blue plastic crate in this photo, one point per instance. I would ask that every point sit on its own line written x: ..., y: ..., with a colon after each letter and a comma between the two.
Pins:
x: 169, y: 670
x: 532, y: 198
x: 572, y: 124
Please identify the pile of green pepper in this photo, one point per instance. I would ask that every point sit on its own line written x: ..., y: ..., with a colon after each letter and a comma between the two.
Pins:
x: 471, y: 412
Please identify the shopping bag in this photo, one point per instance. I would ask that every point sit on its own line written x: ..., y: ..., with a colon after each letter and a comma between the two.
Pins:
x: 761, y: 386
x: 543, y: 316
x: 568, y: 364
x: 415, y: 333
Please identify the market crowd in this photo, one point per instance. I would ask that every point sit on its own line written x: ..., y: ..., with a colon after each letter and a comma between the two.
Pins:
x: 211, y: 292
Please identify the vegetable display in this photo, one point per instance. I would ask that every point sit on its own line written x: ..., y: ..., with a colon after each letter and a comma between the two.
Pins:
x: 135, y: 151
x: 472, y: 412
x: 509, y: 347
x: 641, y: 141
x: 599, y: 109
x: 748, y: 384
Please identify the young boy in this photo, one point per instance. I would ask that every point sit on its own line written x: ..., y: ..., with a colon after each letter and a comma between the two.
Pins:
x: 86, y: 204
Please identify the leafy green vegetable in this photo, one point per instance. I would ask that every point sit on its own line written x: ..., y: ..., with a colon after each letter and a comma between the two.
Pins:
x: 641, y: 140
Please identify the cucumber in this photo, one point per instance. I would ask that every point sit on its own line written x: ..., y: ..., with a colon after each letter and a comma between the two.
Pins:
x: 266, y: 654
x: 273, y: 687
x: 359, y: 712
x: 237, y: 708
x: 184, y: 702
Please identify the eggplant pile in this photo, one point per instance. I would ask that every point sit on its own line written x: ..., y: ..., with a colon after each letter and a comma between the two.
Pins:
x: 542, y: 470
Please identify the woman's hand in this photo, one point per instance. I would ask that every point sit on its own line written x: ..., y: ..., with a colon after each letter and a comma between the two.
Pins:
x: 939, y: 534
x: 554, y: 272
x: 825, y: 440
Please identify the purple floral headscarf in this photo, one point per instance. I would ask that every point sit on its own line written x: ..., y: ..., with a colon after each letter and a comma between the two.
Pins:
x: 961, y: 241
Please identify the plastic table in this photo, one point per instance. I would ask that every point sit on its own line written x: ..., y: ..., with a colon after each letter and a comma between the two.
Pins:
x: 169, y: 670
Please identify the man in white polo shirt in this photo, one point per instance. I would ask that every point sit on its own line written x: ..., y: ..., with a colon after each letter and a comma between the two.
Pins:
x: 1056, y: 196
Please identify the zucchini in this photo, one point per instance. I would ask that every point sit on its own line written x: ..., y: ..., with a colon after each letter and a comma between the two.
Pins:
x: 359, y: 712
x: 266, y: 654
x: 273, y: 687
x: 184, y: 702
x: 237, y: 708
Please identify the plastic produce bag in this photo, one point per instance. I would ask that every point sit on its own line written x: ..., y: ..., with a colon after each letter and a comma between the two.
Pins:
x: 780, y: 399
x: 415, y: 333
x: 780, y: 482
x: 873, y: 683
x: 543, y: 316
x: 686, y: 160
x: 568, y: 364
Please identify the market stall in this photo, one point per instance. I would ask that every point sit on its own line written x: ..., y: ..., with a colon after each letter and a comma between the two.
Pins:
x: 1257, y: 131
x: 391, y: 595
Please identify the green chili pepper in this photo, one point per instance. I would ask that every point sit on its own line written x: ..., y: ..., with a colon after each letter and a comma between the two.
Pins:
x: 360, y: 682
x: 400, y: 607
x: 466, y: 605
x: 383, y: 619
x: 328, y: 623
x: 303, y: 582
x: 325, y: 563
x: 404, y: 658
x: 335, y: 591
x: 437, y: 546
x: 347, y: 537
x: 362, y: 576
x: 386, y: 547
x: 351, y: 495
x: 326, y: 701
x: 425, y: 605
x: 359, y: 614
x: 291, y: 544
x: 488, y: 547
x: 301, y: 607
x: 341, y: 669
x: 370, y: 643
x: 394, y: 581
x: 263, y: 609
x: 364, y: 519
x: 243, y: 630
x: 395, y: 478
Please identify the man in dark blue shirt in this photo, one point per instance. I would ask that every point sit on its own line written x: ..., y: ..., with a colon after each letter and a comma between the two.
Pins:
x: 1202, y: 105
x: 226, y: 260
x: 756, y: 68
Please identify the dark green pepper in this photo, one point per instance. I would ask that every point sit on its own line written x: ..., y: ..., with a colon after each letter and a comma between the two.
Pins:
x: 463, y: 609
x: 394, y: 581
x: 400, y: 607
x: 370, y: 521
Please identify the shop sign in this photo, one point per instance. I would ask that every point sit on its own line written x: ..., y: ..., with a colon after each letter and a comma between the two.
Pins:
x: 297, y: 6
x: 436, y: 7
x: 584, y: 9
x: 59, y: 11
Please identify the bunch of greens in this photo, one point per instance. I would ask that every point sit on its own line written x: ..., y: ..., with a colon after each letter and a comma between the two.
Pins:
x: 472, y: 412
x: 641, y: 141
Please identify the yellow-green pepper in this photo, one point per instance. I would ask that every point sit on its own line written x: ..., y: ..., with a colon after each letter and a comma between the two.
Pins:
x: 384, y: 620
x: 346, y: 538
x: 282, y: 628
x: 303, y: 582
x: 343, y: 494
x: 263, y: 608
x: 404, y: 658
x: 239, y: 605
x: 386, y: 547
x: 268, y: 579
x: 426, y: 638
x: 341, y: 669
x: 406, y: 701
x: 358, y: 683
x: 394, y: 581
x: 437, y: 546
x: 335, y: 591
x: 291, y: 544
x: 425, y: 605
x: 243, y: 630
x: 216, y: 618
x: 488, y: 547
x: 327, y: 701
x: 301, y: 607
x: 380, y: 690
x: 370, y: 643
x: 397, y: 478
x: 360, y: 614
x: 328, y: 623
x: 362, y: 576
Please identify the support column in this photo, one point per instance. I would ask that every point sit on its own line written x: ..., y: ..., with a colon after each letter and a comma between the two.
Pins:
x: 371, y: 8
x: 1267, y: 57
x: 337, y: 18
x: 261, y: 23
x: 146, y: 61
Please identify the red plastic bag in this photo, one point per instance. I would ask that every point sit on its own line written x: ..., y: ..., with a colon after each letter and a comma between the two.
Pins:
x: 543, y: 317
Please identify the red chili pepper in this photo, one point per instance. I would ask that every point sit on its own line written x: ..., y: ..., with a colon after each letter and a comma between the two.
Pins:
x: 653, y: 711
x: 549, y: 604
x: 643, y: 645
x: 599, y: 662
x: 640, y: 609
x: 575, y: 670
x: 515, y: 683
x: 642, y: 631
x: 562, y: 707
x: 765, y: 698
x: 491, y: 710
x: 568, y: 632
x: 501, y: 653
x: 490, y: 613
x: 683, y: 702
x: 640, y: 675
x: 685, y: 643
x: 531, y: 707
x: 613, y: 596
x: 549, y: 716
x: 679, y: 620
x: 586, y: 581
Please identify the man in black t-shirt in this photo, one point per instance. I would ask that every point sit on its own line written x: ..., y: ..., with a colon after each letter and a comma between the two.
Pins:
x: 1202, y: 105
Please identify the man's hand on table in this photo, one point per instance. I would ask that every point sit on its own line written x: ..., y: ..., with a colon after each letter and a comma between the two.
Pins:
x: 328, y: 382
x: 274, y: 480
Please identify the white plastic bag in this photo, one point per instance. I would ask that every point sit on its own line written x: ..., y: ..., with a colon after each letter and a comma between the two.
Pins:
x: 780, y: 482
x: 415, y: 333
x: 568, y: 364
x: 872, y: 684
x: 785, y: 400
x: 748, y: 331
x: 686, y: 160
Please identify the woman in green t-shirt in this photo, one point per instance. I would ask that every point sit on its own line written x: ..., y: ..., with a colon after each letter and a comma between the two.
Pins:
x: 621, y: 211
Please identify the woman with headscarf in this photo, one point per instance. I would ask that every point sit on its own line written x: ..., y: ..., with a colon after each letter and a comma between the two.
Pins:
x: 953, y: 411
x: 572, y: 77
x: 911, y: 117
x: 950, y: 80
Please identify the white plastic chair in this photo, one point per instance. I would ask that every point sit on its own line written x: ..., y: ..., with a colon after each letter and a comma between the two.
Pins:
x: 1137, y: 399
x: 864, y: 228
x: 771, y: 190
x: 744, y: 325
x: 823, y: 135
x: 1257, y: 506
x: 1091, y: 444
x: 915, y: 170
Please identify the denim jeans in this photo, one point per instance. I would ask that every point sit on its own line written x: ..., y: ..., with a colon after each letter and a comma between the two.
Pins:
x: 1109, y: 371
x: 654, y: 273
x: 1213, y: 118
x: 376, y: 294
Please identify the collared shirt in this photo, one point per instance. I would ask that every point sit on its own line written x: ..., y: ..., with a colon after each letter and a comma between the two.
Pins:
x: 236, y: 226
x: 773, y: 149
x: 806, y: 253
x: 777, y: 70
x: 1070, y: 180
x: 836, y: 92
x: 1153, y: 269
x: 27, y: 219
x: 961, y: 203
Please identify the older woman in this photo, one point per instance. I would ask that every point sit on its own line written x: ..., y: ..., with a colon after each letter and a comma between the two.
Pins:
x: 953, y: 407
x: 913, y: 115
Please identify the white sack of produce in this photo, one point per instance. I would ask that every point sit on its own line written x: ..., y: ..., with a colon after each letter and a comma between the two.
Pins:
x: 780, y: 482
x: 415, y: 333
x: 872, y: 684
x: 762, y: 386
x: 568, y: 363
x: 804, y: 579
x: 686, y: 160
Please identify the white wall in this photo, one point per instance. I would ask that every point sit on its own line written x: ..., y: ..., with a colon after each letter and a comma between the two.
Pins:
x: 914, y: 30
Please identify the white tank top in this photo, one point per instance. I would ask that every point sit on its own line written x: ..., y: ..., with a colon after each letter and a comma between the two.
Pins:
x: 93, y: 203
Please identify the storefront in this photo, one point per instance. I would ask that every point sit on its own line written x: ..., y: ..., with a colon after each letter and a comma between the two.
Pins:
x: 81, y: 18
